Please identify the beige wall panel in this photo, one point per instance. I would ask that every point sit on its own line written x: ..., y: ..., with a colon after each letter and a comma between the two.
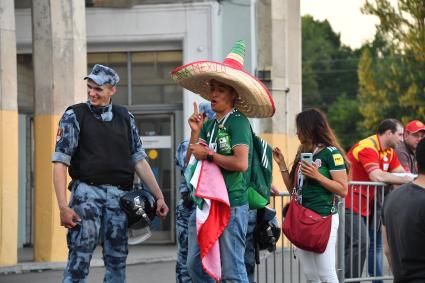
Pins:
x: 288, y: 145
x: 8, y: 136
x: 8, y: 187
x: 50, y: 237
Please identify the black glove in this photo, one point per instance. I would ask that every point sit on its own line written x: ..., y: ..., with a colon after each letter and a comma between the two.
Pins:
x: 71, y: 184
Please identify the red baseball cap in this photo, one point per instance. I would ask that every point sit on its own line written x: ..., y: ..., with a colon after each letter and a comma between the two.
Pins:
x: 415, y: 126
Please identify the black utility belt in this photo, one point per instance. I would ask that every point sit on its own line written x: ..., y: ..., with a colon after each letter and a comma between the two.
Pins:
x: 126, y: 187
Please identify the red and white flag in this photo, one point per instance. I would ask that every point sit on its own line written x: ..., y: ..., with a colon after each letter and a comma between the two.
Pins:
x: 214, y: 216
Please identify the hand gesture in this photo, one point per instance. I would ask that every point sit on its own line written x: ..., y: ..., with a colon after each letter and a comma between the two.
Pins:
x: 274, y: 191
x: 69, y: 218
x: 199, y: 151
x: 310, y: 170
x: 161, y: 208
x: 196, y: 119
x: 279, y: 158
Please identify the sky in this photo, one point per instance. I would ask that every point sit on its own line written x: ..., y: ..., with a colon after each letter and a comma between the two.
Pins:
x: 345, y: 18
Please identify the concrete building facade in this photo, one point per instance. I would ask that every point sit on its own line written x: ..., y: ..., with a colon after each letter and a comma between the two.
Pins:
x: 57, y: 43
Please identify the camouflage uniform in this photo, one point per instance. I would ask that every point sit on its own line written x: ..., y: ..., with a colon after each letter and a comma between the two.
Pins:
x: 184, y: 209
x: 182, y: 217
x: 97, y: 205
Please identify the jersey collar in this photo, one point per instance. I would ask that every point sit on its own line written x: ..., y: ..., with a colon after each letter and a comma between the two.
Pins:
x: 224, y: 119
x: 378, y: 143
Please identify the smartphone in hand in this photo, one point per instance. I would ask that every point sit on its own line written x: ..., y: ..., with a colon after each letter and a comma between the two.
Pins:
x: 307, y: 156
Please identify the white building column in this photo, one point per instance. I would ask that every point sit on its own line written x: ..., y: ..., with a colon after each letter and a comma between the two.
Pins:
x: 60, y: 56
x: 279, y: 61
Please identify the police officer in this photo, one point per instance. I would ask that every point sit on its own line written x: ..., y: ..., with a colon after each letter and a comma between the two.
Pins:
x: 100, y: 146
x: 186, y: 206
x: 184, y: 209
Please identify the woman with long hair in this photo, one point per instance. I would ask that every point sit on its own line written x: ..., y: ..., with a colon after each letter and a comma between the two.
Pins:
x: 316, y: 184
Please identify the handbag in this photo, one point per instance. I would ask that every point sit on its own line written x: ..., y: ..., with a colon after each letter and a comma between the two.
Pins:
x: 305, y: 228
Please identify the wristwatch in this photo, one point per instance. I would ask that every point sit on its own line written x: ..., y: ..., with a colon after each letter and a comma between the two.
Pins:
x: 210, y: 155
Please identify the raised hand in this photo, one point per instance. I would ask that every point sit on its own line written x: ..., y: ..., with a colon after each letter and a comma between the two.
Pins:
x: 196, y: 119
x: 279, y: 158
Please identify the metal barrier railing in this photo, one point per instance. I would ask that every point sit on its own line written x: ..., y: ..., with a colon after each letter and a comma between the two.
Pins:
x: 283, y: 264
x: 363, y: 252
x: 355, y: 262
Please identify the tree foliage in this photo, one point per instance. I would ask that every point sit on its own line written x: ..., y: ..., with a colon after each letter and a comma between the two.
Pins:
x: 344, y: 118
x: 323, y: 63
x: 392, y: 73
x: 330, y: 77
x: 384, y: 78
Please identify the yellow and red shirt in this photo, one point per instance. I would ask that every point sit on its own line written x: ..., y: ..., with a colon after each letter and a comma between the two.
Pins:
x: 365, y: 157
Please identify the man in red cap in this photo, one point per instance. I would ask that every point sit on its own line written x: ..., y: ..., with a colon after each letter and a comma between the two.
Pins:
x: 414, y: 131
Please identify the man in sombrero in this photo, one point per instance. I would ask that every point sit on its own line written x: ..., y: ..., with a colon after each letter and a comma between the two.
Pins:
x: 234, y: 95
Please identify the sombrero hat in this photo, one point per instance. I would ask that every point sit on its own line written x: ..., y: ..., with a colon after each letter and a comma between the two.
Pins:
x: 254, y: 100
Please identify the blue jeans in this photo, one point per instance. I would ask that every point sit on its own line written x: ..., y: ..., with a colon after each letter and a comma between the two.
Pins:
x: 250, y: 246
x: 375, y: 258
x: 232, y: 249
x: 97, y: 206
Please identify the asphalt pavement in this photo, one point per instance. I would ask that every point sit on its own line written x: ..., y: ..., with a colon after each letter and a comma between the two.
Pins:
x: 160, y: 272
x: 150, y: 264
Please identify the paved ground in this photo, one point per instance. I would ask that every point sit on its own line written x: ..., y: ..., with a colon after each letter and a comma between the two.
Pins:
x: 141, y: 254
x: 150, y: 273
x: 150, y: 264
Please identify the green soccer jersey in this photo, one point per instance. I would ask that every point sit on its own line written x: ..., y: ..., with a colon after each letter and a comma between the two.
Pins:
x: 314, y: 195
x: 235, y: 131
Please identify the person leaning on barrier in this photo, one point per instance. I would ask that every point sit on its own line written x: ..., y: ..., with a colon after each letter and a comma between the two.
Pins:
x: 317, y: 184
x: 371, y: 159
x: 99, y: 143
x: 403, y: 226
x: 414, y: 131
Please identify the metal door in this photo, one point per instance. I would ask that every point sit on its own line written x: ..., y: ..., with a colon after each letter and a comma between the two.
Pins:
x: 157, y: 135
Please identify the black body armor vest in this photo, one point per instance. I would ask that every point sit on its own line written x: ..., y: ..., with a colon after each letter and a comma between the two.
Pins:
x: 103, y: 154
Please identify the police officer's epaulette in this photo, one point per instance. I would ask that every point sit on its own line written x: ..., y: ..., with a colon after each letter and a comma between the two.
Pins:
x: 69, y: 111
